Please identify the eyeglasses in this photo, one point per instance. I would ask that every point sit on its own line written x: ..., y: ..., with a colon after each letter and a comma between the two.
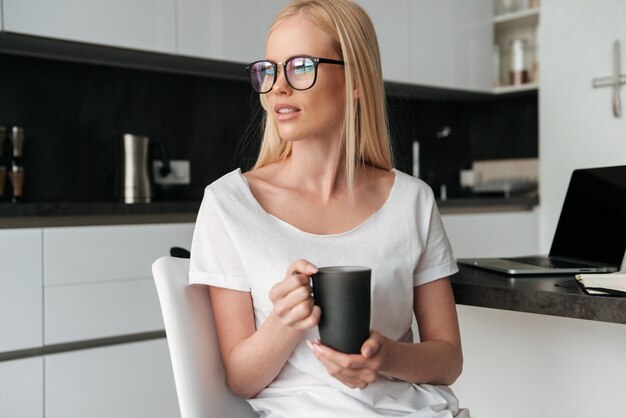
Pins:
x: 300, y: 72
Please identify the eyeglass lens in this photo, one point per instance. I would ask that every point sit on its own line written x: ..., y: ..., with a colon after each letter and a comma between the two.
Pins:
x: 299, y: 71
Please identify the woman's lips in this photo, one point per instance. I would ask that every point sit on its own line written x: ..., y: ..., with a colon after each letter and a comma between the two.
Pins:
x: 285, y: 112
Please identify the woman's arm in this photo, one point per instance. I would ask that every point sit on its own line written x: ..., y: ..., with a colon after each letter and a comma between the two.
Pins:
x: 437, y: 359
x: 253, y: 358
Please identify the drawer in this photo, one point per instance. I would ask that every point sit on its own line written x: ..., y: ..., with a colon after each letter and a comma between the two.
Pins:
x: 20, y: 289
x: 75, y: 255
x: 21, y: 388
x: 124, y: 381
x: 95, y: 310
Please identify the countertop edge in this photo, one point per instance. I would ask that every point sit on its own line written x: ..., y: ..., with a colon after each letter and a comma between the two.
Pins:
x: 95, y: 220
x: 579, y: 306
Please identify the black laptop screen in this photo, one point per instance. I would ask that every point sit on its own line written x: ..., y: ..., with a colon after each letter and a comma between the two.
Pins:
x: 592, y: 225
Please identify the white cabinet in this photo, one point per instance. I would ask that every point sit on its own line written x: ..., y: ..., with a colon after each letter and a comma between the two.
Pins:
x: 443, y: 43
x: 122, y: 381
x: 21, y: 388
x: 520, y: 365
x: 20, y: 289
x: 231, y: 30
x: 98, y: 280
x: 138, y: 24
x: 392, y: 24
x: 502, y: 234
x: 451, y: 43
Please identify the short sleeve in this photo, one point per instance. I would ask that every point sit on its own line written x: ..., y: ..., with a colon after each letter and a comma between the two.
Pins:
x: 215, y: 260
x: 436, y: 260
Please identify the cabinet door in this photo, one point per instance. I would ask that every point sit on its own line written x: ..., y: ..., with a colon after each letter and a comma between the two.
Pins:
x: 392, y: 21
x: 21, y: 388
x: 20, y: 289
x: 98, y: 280
x: 503, y: 234
x: 122, y: 381
x: 232, y: 30
x: 451, y: 43
x: 139, y: 24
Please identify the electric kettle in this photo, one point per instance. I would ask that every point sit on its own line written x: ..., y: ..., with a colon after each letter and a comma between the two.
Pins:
x: 137, y: 185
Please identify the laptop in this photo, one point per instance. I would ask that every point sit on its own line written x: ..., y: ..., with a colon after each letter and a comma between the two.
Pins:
x: 590, y: 236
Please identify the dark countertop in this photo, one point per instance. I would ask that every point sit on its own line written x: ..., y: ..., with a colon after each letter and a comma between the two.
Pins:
x: 31, y: 215
x: 482, y: 288
x: 482, y: 204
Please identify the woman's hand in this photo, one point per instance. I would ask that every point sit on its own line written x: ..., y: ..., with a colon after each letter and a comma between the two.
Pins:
x: 353, y: 370
x: 293, y: 303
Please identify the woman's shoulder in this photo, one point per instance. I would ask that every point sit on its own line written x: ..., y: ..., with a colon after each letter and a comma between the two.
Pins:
x: 229, y: 182
x: 412, y: 184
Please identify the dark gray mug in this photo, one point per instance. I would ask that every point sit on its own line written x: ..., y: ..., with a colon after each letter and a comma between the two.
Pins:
x: 343, y: 295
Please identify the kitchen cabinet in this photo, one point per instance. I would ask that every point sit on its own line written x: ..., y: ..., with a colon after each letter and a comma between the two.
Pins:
x: 21, y: 388
x: 127, y: 380
x: 520, y: 365
x: 392, y: 22
x: 451, y: 44
x: 442, y: 44
x: 503, y: 234
x: 139, y: 24
x: 21, y: 324
x: 98, y: 280
x: 230, y: 30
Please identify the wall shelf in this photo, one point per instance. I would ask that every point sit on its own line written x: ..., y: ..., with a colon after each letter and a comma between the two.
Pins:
x: 528, y: 87
x: 520, y: 18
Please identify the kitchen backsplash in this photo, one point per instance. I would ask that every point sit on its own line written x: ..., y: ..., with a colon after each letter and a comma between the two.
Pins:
x: 74, y: 114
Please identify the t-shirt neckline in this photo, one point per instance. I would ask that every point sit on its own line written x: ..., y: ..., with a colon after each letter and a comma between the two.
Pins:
x: 250, y: 195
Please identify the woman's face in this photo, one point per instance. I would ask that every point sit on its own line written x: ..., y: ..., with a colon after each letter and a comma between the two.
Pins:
x: 316, y: 113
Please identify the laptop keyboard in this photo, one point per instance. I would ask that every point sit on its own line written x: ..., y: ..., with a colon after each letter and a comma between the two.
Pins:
x: 547, y: 262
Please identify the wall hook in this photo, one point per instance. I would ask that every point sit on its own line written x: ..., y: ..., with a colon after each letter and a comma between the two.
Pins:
x: 615, y: 81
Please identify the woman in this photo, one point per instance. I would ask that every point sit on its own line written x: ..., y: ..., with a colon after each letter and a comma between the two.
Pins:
x: 323, y: 192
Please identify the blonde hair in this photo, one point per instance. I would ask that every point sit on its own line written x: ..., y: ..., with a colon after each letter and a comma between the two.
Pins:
x: 366, y: 133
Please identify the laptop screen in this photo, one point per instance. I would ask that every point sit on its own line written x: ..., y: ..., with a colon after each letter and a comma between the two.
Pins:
x: 592, y: 225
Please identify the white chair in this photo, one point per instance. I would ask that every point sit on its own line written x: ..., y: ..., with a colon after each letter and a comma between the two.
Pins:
x: 194, y: 351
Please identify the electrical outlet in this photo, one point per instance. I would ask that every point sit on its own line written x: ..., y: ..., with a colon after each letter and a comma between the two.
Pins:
x: 179, y: 175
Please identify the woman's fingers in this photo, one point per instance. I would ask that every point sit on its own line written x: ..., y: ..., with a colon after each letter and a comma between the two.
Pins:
x: 292, y: 299
x: 354, y: 370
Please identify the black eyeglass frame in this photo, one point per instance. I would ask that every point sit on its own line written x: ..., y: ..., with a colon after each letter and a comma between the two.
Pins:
x: 316, y: 62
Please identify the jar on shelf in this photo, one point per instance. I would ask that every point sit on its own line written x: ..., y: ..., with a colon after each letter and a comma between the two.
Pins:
x: 518, y: 72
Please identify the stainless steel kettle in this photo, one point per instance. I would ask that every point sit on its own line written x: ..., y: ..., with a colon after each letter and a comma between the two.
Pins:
x: 136, y: 181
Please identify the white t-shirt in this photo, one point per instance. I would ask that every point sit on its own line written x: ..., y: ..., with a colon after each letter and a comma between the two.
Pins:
x: 238, y: 245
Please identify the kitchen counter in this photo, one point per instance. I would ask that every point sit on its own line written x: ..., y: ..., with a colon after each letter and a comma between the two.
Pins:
x: 483, y: 204
x: 34, y: 215
x: 547, y: 295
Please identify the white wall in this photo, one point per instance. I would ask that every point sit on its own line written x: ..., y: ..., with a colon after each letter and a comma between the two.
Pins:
x: 577, y: 127
x: 492, y: 234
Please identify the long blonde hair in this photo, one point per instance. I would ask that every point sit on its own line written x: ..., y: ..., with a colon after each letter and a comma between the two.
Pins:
x: 366, y: 132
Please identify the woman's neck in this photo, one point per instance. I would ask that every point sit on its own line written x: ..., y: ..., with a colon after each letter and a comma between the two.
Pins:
x: 316, y: 168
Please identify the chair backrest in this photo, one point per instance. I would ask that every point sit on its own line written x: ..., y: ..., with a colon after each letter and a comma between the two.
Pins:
x: 194, y: 350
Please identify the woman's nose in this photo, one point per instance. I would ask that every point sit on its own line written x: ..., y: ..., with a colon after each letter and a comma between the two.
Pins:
x: 281, y: 85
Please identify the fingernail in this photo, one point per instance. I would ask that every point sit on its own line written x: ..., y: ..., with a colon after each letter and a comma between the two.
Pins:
x: 367, y: 352
x: 311, y: 269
